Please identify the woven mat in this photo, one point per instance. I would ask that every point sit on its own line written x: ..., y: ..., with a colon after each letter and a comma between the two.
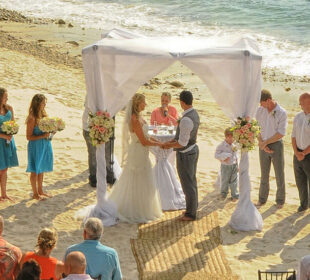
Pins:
x: 169, y: 226
x: 174, y: 250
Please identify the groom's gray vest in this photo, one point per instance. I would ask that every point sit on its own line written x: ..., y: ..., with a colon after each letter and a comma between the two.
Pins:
x: 193, y: 115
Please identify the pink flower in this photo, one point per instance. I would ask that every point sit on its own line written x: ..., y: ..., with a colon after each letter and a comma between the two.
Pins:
x: 250, y: 134
x: 100, y: 113
x: 102, y: 129
x: 107, y: 114
x: 247, y: 118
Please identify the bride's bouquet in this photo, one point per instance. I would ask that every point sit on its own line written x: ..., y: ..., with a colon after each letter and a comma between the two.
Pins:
x: 245, y: 131
x: 51, y: 125
x: 100, y: 127
x: 9, y: 128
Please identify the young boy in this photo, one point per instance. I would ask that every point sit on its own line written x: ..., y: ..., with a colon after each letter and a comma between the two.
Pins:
x: 229, y: 166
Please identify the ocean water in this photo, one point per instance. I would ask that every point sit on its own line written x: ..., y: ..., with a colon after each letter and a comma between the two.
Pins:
x: 281, y: 27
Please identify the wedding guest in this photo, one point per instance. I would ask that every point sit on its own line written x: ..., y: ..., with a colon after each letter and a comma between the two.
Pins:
x: 30, y: 271
x: 75, y: 267
x: 187, y: 153
x: 40, y: 153
x: 101, y: 260
x: 51, y: 268
x: 10, y: 256
x: 226, y: 154
x: 8, y: 156
x: 166, y: 114
x: 92, y: 161
x: 272, y: 119
x: 303, y: 272
x: 301, y: 146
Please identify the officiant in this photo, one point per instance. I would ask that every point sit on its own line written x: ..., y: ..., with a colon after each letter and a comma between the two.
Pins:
x: 166, y: 114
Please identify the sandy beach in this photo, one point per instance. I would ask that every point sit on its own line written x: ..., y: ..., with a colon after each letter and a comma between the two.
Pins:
x: 42, y: 56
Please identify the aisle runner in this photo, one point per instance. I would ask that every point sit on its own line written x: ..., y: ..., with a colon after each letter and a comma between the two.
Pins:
x: 174, y: 250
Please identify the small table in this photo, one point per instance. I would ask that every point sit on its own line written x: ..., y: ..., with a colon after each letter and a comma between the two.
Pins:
x: 170, y: 190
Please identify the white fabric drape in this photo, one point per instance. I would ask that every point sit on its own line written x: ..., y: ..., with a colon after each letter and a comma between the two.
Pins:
x: 116, y: 67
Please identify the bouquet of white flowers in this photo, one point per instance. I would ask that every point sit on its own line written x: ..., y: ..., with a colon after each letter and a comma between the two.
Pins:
x: 245, y: 131
x: 100, y: 127
x: 51, y: 125
x: 9, y: 128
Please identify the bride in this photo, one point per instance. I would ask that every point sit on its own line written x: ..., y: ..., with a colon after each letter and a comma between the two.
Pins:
x: 135, y: 193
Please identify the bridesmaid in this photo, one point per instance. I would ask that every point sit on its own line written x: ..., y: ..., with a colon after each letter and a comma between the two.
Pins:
x: 8, y: 156
x: 40, y: 153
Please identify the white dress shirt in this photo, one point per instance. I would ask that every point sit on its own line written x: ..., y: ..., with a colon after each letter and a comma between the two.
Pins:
x: 301, y: 130
x: 271, y: 122
x: 186, y: 126
x: 78, y: 277
x: 224, y: 151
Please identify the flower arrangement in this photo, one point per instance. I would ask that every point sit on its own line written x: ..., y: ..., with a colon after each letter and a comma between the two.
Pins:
x: 10, y: 127
x: 245, y: 132
x: 100, y: 127
x: 51, y: 125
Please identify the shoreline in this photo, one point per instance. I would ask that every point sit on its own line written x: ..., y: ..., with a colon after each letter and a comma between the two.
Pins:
x: 35, y: 57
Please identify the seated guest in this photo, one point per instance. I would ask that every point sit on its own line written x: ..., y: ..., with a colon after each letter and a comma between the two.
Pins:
x: 10, y: 257
x: 101, y: 260
x: 166, y: 114
x: 75, y: 267
x: 51, y: 268
x: 30, y: 271
x: 303, y: 272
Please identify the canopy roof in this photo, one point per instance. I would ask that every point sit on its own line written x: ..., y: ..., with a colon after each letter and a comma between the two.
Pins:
x: 117, y: 65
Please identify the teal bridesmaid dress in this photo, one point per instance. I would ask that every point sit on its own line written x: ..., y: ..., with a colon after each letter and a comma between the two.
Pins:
x: 8, y: 155
x: 40, y: 154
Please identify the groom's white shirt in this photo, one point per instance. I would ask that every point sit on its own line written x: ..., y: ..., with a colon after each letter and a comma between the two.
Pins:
x: 186, y: 126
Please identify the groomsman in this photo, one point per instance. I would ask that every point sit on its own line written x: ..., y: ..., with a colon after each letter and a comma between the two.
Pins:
x: 272, y: 119
x: 187, y: 153
x: 301, y: 146
x: 92, y: 161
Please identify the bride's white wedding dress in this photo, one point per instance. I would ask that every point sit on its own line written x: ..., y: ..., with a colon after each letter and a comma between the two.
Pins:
x: 135, y: 193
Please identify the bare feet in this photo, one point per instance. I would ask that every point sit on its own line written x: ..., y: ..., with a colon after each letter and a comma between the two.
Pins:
x: 45, y: 194
x: 38, y: 197
x: 259, y: 204
x: 186, y: 219
x: 279, y: 206
x: 234, y: 199
x: 3, y: 198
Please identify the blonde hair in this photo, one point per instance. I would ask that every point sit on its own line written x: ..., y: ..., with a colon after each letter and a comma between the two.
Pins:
x: 47, y: 239
x: 228, y: 131
x: 136, y: 100
x: 166, y: 94
x: 35, y: 109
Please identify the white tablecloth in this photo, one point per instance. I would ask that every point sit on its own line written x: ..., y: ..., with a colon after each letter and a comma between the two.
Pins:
x: 170, y: 190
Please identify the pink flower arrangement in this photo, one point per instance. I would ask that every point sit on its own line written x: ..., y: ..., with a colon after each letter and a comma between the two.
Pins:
x: 245, y: 132
x: 100, y: 127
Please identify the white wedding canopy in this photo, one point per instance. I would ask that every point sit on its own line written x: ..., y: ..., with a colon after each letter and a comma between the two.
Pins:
x: 116, y: 66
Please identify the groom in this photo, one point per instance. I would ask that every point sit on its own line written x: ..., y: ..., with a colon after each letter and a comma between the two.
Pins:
x: 187, y: 153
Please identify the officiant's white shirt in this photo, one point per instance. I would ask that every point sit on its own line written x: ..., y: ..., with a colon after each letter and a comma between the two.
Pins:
x: 301, y: 130
x: 271, y: 122
x: 186, y: 126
